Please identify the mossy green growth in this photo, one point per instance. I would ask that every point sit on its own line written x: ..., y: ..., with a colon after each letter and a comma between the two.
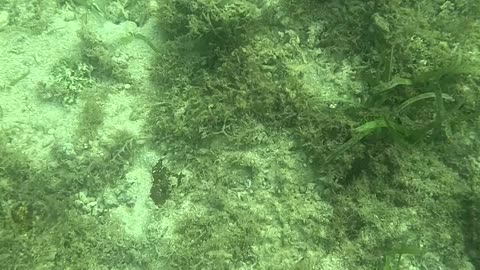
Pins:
x: 203, y: 111
x: 96, y: 53
x: 251, y: 83
x: 91, y: 118
x: 419, y: 64
x: 218, y: 87
x: 33, y: 16
x: 41, y: 228
x: 70, y: 79
x: 414, y: 39
x: 216, y: 239
x: 244, y: 208
x: 210, y: 27
x: 120, y: 151
x: 212, y: 72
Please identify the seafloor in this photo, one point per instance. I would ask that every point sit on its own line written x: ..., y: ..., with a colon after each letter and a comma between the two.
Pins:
x: 249, y: 134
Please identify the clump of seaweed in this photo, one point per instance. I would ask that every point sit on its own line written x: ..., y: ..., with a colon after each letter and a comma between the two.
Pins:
x: 70, y: 79
x: 97, y: 54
